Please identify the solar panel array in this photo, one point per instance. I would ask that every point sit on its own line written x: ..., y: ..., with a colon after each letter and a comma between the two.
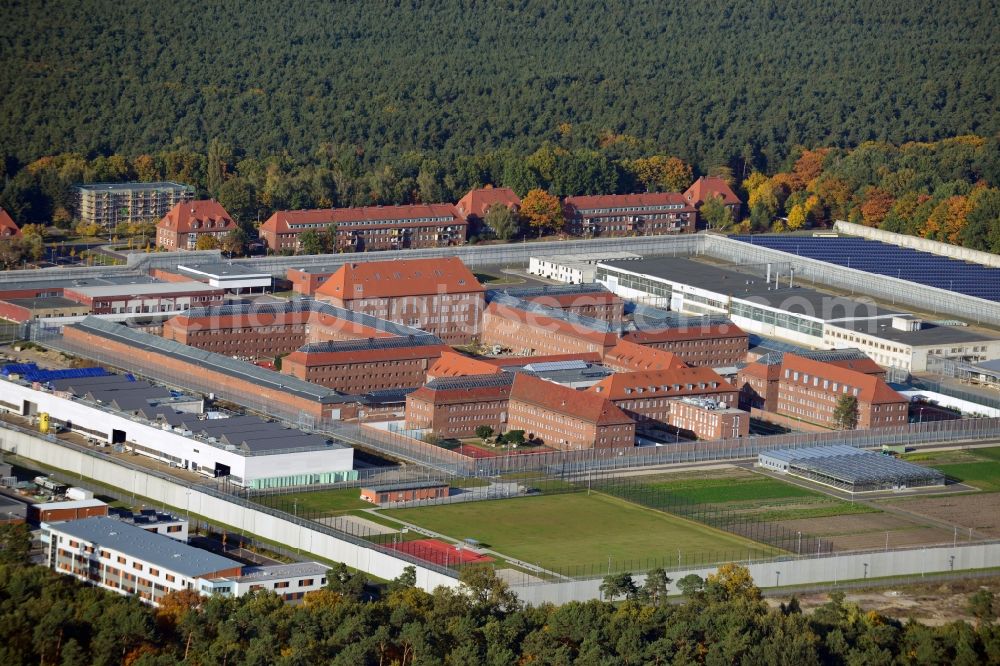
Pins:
x: 891, y: 260
x: 471, y: 381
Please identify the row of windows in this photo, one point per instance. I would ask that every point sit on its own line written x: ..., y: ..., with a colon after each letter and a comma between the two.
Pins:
x: 784, y: 320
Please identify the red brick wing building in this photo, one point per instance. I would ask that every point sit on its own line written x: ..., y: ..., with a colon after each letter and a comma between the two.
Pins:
x: 648, y: 396
x: 8, y: 228
x: 808, y: 390
x: 627, y: 356
x: 440, y: 296
x: 188, y: 221
x: 528, y: 332
x: 610, y: 215
x: 363, y: 366
x: 456, y: 406
x: 566, y: 419
x: 710, y: 186
x: 368, y: 228
x: 712, y: 345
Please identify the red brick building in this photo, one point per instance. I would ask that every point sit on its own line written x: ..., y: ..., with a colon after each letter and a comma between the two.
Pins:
x: 609, y: 215
x: 475, y: 203
x: 710, y: 186
x: 566, y: 419
x: 808, y: 390
x: 369, y: 228
x: 648, y: 396
x: 188, y: 221
x: 440, y: 296
x: 51, y: 512
x: 456, y: 406
x: 712, y: 345
x: 8, y: 228
x: 267, y: 330
x: 708, y: 419
x: 627, y: 356
x: 145, y: 297
x: 363, y: 366
x: 512, y: 324
x: 404, y: 492
x: 587, y: 300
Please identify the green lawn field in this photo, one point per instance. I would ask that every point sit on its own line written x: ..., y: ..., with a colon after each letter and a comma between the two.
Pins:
x: 979, y: 468
x: 721, y: 490
x: 319, y: 503
x: 558, y: 531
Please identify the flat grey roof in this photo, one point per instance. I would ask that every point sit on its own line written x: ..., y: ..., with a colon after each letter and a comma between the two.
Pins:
x: 221, y: 269
x: 132, y: 187
x: 143, y: 289
x: 279, y: 571
x: 929, y: 335
x: 44, y: 302
x: 752, y: 288
x: 209, y: 360
x: 45, y: 281
x: 156, y: 549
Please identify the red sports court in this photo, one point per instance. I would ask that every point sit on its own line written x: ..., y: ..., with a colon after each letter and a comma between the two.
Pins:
x: 439, y: 552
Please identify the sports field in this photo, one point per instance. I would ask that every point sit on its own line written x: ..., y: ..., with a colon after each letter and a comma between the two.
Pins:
x: 577, y: 529
x: 317, y: 504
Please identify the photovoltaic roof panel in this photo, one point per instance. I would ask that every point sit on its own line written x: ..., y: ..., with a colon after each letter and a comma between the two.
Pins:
x: 891, y: 260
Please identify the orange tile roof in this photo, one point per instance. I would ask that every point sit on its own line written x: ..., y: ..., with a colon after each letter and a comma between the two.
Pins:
x: 552, y: 324
x: 632, y: 356
x: 627, y: 385
x: 518, y: 361
x: 453, y: 364
x: 643, y: 200
x: 457, y: 395
x: 206, y: 215
x: 370, y: 216
x: 409, y: 277
x: 652, y: 335
x: 762, y: 371
x: 865, y: 365
x: 710, y: 185
x: 311, y: 359
x: 8, y: 228
x: 871, y: 389
x: 582, y: 405
x: 477, y: 202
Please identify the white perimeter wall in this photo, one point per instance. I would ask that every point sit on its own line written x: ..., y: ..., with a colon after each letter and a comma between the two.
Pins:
x: 182, y: 497
x: 174, y: 444
x: 917, y: 243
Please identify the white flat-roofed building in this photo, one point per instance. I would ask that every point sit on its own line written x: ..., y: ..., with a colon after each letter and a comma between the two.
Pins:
x: 109, y: 204
x: 574, y: 268
x: 246, y: 449
x: 233, y: 278
x: 146, y: 298
x: 123, y: 558
x: 291, y: 582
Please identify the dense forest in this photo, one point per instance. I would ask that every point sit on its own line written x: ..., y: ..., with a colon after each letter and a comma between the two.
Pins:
x: 46, y: 618
x: 711, y: 82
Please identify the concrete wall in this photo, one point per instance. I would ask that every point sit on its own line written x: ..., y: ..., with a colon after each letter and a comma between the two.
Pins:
x: 832, y: 569
x: 917, y: 243
x: 302, y: 535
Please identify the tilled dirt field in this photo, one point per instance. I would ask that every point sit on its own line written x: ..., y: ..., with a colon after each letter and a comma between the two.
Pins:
x: 868, y: 530
x: 980, y: 511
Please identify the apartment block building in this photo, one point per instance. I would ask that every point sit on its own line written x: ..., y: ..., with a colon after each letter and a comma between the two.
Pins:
x: 108, y: 204
x: 440, y: 296
x: 368, y: 228
x: 567, y: 419
x: 188, y: 221
x: 456, y: 406
x: 610, y: 215
x: 119, y: 556
x: 648, y: 396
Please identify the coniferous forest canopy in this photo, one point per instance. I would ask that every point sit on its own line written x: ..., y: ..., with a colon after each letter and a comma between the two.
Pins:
x: 710, y: 81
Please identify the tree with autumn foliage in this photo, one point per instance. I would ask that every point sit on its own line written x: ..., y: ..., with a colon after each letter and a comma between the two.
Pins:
x: 660, y: 173
x: 542, y: 211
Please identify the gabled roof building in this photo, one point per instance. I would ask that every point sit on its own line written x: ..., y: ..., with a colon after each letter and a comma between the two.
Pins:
x: 188, y: 221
